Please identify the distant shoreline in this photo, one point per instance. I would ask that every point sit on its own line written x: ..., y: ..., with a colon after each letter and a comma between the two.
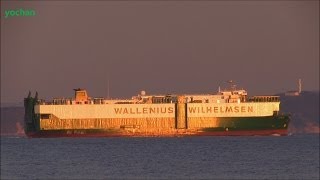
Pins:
x: 20, y: 104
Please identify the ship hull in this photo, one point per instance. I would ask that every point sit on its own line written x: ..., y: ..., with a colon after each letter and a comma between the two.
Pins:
x: 250, y: 126
x: 52, y: 134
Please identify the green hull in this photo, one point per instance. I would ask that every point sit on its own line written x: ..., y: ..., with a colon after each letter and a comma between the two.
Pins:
x: 244, y: 126
x: 251, y: 123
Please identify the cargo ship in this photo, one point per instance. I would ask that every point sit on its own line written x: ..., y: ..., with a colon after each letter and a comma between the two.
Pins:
x: 225, y: 113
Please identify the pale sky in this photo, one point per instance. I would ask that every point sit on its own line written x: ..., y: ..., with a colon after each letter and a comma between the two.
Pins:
x: 158, y: 46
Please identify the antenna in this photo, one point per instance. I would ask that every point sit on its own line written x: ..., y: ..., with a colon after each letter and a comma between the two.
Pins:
x: 232, y: 85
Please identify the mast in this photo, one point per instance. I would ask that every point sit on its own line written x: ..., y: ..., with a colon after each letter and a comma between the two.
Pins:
x: 232, y: 85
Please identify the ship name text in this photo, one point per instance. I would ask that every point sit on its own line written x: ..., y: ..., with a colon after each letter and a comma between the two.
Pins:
x: 191, y: 110
x: 145, y: 110
x: 221, y: 109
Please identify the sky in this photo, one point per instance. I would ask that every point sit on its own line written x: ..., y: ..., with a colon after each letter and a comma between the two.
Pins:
x: 158, y: 46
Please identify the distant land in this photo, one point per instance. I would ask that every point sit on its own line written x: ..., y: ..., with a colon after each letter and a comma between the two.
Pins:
x: 20, y: 104
x: 304, y: 110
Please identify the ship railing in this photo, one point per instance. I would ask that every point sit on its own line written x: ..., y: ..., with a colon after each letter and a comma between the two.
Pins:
x: 61, y: 101
x: 41, y: 102
x: 264, y: 99
x: 124, y: 102
x: 98, y: 100
x: 67, y: 101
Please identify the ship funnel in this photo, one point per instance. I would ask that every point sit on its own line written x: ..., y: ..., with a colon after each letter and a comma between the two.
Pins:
x: 81, y: 95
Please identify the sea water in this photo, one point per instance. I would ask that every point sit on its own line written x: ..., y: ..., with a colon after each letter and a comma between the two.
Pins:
x: 257, y: 157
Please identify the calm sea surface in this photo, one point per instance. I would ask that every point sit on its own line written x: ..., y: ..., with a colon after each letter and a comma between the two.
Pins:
x: 290, y: 157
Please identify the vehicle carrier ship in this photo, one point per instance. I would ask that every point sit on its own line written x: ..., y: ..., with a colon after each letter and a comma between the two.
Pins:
x: 225, y: 113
